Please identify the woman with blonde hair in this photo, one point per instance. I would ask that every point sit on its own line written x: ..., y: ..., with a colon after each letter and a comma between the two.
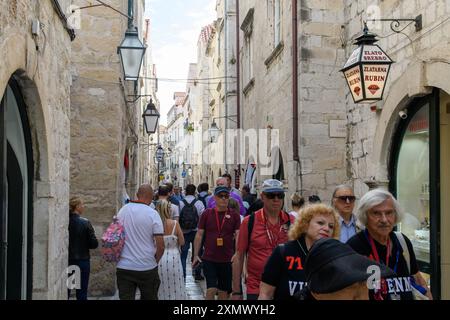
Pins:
x: 81, y: 239
x: 283, y: 274
x: 170, y: 269
x: 297, y: 203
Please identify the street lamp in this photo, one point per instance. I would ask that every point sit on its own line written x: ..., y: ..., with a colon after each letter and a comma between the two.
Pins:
x: 367, y: 69
x: 159, y: 154
x: 151, y: 117
x: 213, y: 132
x: 131, y: 50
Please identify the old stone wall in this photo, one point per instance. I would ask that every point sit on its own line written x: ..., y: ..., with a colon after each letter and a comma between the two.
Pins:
x: 268, y: 104
x: 103, y: 126
x: 41, y: 67
x: 414, y: 53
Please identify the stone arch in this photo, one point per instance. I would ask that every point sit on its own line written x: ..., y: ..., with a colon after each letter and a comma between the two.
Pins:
x: 19, y: 63
x: 418, y: 80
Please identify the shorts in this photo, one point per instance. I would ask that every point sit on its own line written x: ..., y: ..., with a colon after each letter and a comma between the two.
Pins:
x: 218, y: 275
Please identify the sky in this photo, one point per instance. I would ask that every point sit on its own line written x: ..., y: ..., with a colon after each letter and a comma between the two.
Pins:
x: 175, y: 27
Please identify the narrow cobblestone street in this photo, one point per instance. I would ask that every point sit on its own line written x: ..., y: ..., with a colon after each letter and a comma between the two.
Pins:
x: 195, y: 289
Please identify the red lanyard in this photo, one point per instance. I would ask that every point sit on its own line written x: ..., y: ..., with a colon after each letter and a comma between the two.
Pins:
x: 273, y: 242
x: 217, y: 221
x: 375, y: 252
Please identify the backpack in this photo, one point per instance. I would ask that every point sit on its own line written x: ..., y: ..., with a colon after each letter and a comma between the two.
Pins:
x: 113, y: 241
x: 203, y: 200
x: 188, y: 215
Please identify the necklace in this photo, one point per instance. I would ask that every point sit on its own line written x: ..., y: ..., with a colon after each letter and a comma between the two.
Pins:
x: 300, y: 245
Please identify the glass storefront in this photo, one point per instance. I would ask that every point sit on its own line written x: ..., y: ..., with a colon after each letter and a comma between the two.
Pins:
x: 413, y: 183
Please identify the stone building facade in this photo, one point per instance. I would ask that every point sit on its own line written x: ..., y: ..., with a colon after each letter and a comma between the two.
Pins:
x: 106, y: 124
x: 317, y: 164
x: 402, y: 142
x: 35, y: 145
x: 175, y: 137
x: 342, y: 142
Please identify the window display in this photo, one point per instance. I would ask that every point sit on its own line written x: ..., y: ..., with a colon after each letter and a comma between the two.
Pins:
x: 413, y: 184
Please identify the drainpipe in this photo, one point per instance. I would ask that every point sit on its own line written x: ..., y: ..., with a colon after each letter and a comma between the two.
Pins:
x: 295, y: 144
x: 295, y: 81
x: 226, y: 82
x: 238, y: 82
x: 238, y: 69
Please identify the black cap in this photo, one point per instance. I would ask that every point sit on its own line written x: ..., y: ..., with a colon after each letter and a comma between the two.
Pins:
x: 314, y: 199
x: 332, y: 266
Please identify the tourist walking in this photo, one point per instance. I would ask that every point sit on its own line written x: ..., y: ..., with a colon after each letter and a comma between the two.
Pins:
x: 170, y: 269
x: 143, y: 248
x: 81, y: 239
x: 380, y: 212
x: 259, y: 234
x: 284, y: 273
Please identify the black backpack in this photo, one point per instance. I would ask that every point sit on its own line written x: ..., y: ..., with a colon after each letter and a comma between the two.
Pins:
x: 203, y: 199
x: 189, y: 215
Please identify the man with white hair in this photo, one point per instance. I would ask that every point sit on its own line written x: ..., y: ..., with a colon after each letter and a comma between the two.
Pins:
x: 380, y: 212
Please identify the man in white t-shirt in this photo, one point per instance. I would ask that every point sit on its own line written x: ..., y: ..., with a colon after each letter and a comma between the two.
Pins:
x: 144, y: 247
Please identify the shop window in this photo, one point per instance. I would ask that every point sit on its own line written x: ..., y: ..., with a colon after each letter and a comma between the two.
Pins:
x: 413, y: 184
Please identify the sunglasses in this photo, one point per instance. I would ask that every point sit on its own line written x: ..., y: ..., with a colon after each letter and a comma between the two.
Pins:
x: 223, y: 196
x: 346, y: 198
x: 272, y: 196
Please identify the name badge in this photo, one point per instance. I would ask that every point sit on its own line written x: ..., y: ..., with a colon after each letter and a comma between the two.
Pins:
x: 220, y: 242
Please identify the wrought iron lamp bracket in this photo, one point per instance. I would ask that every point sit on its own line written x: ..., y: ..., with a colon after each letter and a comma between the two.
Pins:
x: 136, y: 97
x: 102, y: 4
x: 396, y: 23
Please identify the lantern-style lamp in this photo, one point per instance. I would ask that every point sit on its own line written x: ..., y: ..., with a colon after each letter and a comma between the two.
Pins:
x: 131, y: 52
x: 159, y: 154
x: 214, y: 132
x: 151, y: 117
x: 367, y: 69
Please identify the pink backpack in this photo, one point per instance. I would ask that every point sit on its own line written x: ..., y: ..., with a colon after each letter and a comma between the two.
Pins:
x: 113, y: 241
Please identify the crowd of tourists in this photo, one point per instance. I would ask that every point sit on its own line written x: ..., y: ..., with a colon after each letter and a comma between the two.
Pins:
x: 248, y: 247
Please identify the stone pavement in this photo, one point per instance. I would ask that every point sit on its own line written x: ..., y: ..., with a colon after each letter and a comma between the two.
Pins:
x: 195, y: 289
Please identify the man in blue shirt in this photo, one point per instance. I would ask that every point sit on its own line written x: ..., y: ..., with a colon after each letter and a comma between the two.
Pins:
x: 344, y: 203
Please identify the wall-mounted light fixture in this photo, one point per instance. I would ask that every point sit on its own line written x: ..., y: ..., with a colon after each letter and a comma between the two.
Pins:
x: 131, y: 50
x: 214, y: 130
x: 151, y: 117
x: 367, y: 69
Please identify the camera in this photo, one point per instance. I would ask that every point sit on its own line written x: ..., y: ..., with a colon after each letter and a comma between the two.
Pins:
x: 403, y: 114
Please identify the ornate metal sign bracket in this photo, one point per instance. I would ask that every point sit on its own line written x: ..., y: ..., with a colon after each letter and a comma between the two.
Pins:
x: 396, y: 23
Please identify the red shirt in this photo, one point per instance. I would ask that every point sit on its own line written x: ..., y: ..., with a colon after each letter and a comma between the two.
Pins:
x: 229, y: 223
x: 263, y: 241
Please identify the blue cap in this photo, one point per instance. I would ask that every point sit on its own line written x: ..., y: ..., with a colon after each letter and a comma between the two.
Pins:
x: 221, y: 189
x: 272, y: 186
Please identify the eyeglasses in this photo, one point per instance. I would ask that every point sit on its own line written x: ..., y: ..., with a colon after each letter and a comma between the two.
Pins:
x: 223, y: 196
x: 272, y: 196
x: 348, y: 199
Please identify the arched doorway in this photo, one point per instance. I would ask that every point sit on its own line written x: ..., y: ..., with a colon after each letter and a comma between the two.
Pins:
x: 16, y: 179
x: 414, y: 174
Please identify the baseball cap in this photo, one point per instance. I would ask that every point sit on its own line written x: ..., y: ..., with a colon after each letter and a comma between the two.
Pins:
x: 332, y: 266
x: 272, y: 185
x: 220, y: 189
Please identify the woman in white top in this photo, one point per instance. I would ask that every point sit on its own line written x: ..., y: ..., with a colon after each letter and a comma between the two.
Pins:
x: 170, y: 270
x: 297, y: 203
